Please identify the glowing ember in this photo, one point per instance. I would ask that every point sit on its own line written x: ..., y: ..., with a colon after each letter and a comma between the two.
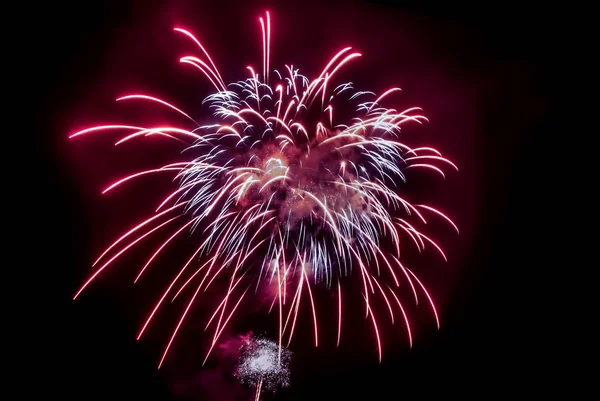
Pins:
x: 262, y: 365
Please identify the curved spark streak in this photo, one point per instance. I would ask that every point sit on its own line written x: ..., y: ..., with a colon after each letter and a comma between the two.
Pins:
x: 442, y: 215
x: 433, y: 243
x: 404, y: 315
x: 129, y: 177
x: 225, y: 324
x: 154, y: 99
x: 412, y: 286
x: 384, y: 94
x: 134, y: 229
x: 437, y: 319
x: 425, y: 148
x: 386, y: 300
x: 220, y: 307
x: 432, y: 157
x: 428, y: 166
x: 370, y: 313
x: 174, y: 193
x: 191, y: 278
x: 161, y: 248
x: 230, y: 129
x: 215, y: 69
x: 165, y: 295
x: 198, y: 62
x: 344, y: 61
x: 162, y: 359
x: 333, y: 60
x: 244, y: 111
x: 149, y: 131
x: 268, y: 46
x: 264, y: 35
x: 280, y: 313
x: 312, y: 304
x: 202, y: 69
x: 103, y: 127
x: 119, y: 254
x: 163, y: 134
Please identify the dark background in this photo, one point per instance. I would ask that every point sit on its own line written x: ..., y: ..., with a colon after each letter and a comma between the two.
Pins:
x: 479, y: 72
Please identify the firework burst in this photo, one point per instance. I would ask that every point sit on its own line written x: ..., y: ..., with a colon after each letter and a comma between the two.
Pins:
x: 286, y: 192
x: 264, y: 365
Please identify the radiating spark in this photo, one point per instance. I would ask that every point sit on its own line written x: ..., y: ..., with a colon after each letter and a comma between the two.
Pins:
x: 134, y: 229
x: 119, y: 254
x: 441, y: 214
x: 146, y: 97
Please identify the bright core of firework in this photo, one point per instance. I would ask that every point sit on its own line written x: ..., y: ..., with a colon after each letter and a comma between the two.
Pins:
x: 264, y: 364
x: 293, y: 184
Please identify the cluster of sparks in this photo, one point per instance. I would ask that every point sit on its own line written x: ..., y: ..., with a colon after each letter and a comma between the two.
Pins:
x: 264, y: 365
x: 285, y: 195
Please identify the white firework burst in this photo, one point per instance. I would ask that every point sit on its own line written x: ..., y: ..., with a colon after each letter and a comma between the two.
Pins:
x: 264, y: 365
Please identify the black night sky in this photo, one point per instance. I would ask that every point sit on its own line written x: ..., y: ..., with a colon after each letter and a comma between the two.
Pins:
x: 478, y: 72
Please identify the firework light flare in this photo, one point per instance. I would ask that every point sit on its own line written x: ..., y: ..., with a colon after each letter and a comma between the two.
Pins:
x: 284, y: 194
x: 264, y: 365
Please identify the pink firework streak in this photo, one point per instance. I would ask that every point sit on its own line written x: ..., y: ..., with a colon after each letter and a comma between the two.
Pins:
x: 285, y: 194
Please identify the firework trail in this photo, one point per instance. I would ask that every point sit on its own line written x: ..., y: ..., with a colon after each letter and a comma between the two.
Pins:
x: 264, y: 365
x: 286, y: 194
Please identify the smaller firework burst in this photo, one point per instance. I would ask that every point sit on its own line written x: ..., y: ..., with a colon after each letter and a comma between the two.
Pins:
x: 264, y: 365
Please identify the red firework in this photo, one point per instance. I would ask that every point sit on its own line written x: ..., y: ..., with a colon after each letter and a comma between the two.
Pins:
x: 277, y: 174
